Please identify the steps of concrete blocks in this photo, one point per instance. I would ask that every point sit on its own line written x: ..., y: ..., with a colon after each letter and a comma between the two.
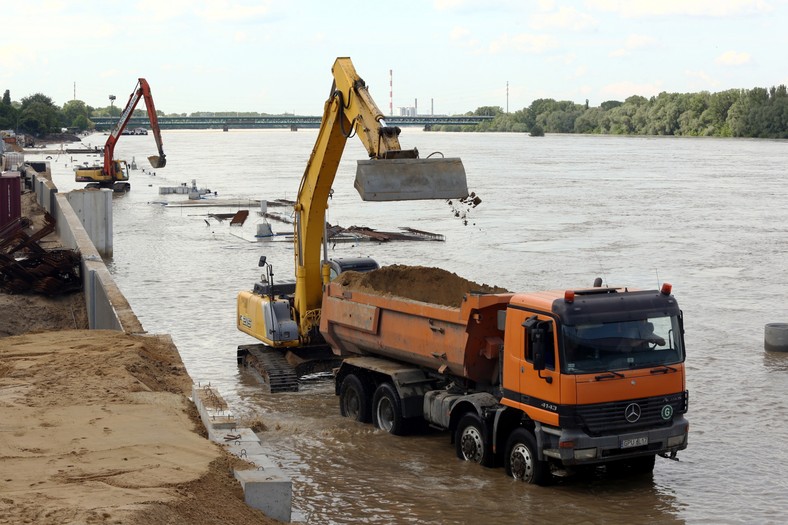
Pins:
x: 266, y: 487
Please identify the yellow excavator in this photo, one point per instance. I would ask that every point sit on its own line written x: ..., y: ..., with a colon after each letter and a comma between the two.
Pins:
x: 285, y: 317
x: 114, y: 174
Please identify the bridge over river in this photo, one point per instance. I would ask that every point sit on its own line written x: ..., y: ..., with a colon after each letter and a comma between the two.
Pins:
x: 277, y: 121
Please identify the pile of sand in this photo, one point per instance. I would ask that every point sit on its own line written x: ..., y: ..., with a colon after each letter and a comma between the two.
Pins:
x: 419, y: 283
x: 95, y: 427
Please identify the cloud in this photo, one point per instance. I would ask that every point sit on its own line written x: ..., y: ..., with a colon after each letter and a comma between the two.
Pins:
x: 623, y: 90
x: 632, y: 43
x: 462, y: 37
x: 160, y: 11
x: 705, y: 80
x: 466, y: 6
x: 733, y: 58
x: 450, y: 5
x: 565, y: 18
x: 712, y: 8
x: 523, y: 43
x: 233, y: 11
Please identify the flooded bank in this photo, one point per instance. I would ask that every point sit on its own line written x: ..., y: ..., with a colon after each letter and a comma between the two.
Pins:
x: 706, y: 215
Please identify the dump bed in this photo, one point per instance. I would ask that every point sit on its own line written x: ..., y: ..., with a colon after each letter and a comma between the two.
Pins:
x: 462, y: 341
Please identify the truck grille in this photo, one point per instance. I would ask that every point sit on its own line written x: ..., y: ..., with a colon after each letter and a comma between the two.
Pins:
x: 611, y: 418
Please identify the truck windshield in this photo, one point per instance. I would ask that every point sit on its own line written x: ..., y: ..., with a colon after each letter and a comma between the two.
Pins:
x: 590, y: 348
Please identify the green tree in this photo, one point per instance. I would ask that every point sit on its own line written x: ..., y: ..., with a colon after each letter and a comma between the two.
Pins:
x: 38, y: 115
x: 8, y: 112
x: 72, y: 110
x: 82, y: 123
x: 488, y: 111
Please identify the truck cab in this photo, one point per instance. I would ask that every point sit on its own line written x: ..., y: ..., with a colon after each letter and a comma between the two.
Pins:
x: 598, y: 373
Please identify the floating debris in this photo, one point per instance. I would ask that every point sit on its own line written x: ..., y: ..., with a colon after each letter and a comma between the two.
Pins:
x: 462, y: 207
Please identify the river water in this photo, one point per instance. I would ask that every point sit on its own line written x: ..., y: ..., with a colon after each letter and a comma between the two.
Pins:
x: 707, y: 215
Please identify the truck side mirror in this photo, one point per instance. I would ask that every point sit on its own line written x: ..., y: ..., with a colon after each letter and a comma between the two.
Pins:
x: 536, y: 341
x: 537, y: 336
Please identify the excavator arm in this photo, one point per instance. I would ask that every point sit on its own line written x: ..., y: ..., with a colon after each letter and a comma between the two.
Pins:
x: 141, y: 90
x: 391, y: 173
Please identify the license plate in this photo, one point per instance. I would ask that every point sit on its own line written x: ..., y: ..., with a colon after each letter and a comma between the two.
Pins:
x: 634, y: 442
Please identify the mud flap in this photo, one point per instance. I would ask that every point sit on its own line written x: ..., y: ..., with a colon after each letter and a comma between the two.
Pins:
x: 411, y: 179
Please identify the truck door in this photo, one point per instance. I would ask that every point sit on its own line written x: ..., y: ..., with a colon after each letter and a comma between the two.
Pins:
x: 532, y: 369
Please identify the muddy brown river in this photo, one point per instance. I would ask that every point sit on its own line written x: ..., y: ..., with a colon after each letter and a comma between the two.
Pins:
x: 707, y: 215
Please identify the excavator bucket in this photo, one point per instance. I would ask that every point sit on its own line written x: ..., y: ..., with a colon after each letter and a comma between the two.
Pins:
x: 411, y: 179
x: 157, y: 162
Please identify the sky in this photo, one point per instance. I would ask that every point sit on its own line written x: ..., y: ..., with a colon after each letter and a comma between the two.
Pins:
x: 442, y: 56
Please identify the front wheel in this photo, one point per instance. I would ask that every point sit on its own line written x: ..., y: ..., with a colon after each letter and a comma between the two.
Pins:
x: 469, y: 441
x: 387, y: 410
x: 522, y: 459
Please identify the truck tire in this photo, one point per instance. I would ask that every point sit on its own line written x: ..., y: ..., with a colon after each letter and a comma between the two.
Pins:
x: 470, y: 442
x: 522, y: 459
x: 354, y: 399
x: 387, y: 410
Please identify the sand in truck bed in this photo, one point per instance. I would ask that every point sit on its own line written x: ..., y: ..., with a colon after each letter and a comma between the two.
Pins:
x: 418, y: 283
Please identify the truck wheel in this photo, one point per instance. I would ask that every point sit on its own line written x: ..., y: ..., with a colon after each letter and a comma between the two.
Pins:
x: 522, y: 461
x: 387, y: 410
x: 354, y: 399
x: 469, y: 441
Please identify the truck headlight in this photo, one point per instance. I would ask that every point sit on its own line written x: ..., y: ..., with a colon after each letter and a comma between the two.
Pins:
x: 585, y: 453
x: 676, y: 440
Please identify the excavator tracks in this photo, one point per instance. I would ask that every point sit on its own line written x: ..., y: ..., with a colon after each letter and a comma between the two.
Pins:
x: 270, y: 363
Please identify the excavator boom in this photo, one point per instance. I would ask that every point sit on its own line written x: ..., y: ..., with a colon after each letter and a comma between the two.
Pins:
x: 141, y: 90
x: 390, y: 173
x: 114, y: 174
x: 289, y: 317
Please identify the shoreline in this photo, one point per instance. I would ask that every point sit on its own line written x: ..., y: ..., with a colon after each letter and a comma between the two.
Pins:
x: 98, y: 425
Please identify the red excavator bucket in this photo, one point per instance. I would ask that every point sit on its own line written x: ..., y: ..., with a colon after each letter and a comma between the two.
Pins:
x: 157, y: 162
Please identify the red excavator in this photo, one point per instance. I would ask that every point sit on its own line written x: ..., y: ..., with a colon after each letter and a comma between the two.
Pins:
x: 115, y: 173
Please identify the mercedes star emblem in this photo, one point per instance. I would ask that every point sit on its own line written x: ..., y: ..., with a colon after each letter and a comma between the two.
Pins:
x: 632, y: 412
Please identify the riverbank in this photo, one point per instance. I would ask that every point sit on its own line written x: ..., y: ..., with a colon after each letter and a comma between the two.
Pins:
x: 96, y: 425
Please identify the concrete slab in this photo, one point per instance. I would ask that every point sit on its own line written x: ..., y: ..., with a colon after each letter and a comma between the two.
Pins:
x: 267, y: 491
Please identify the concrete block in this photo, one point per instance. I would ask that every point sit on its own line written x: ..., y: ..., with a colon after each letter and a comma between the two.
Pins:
x: 268, y: 491
x: 266, y: 487
x: 94, y: 209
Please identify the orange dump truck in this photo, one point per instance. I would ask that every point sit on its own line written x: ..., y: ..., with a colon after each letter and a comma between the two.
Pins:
x: 540, y: 382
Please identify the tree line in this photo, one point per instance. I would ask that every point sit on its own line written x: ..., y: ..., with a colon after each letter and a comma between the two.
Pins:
x: 757, y: 112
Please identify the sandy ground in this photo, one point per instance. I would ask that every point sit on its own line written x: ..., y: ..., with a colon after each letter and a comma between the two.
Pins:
x: 96, y: 426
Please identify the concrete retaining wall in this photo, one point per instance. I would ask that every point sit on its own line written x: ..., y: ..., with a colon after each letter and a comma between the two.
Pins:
x: 107, y: 307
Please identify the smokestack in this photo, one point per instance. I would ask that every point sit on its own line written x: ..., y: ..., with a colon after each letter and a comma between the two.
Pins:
x: 391, y: 92
x: 415, y: 107
x: 432, y: 107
